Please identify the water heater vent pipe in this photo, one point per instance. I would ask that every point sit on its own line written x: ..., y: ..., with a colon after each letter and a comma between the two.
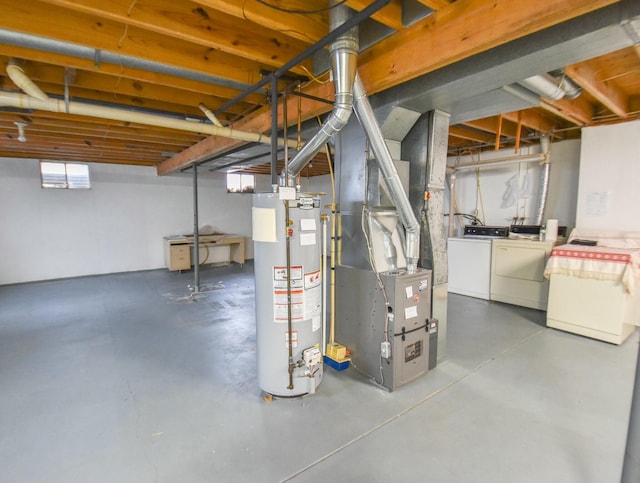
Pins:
x: 344, y: 61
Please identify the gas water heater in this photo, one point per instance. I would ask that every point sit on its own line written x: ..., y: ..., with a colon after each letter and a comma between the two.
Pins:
x: 287, y: 240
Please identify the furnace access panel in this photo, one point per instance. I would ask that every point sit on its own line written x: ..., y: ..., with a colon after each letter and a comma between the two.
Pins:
x: 364, y: 322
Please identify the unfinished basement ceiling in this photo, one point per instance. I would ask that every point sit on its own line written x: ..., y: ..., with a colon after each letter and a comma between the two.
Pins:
x: 168, y: 56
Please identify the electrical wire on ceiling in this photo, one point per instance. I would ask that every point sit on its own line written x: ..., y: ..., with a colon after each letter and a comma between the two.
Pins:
x: 303, y: 12
x: 315, y: 78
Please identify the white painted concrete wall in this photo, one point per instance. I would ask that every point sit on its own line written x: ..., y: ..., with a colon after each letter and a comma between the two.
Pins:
x: 116, y: 226
x: 561, y: 200
x: 609, y: 196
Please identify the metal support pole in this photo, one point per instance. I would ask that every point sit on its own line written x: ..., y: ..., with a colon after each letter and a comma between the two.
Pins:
x: 631, y: 466
x: 196, y: 238
x: 274, y: 133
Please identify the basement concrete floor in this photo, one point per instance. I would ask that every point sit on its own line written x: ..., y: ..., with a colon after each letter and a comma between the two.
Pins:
x: 119, y: 378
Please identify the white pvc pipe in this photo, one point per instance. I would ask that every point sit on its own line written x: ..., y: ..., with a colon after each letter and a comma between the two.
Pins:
x: 22, y: 101
x: 210, y: 115
x: 20, y: 79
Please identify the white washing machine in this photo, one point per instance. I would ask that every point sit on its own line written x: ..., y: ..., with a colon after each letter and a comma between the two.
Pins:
x: 470, y: 266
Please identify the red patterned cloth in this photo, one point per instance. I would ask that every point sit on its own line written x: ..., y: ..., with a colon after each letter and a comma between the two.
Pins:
x: 602, y: 263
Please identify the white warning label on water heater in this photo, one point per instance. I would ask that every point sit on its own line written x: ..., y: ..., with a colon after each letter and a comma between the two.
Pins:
x: 280, y: 277
x: 313, y: 298
x: 281, y: 295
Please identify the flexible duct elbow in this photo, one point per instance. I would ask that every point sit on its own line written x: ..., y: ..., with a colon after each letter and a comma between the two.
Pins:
x: 545, y: 176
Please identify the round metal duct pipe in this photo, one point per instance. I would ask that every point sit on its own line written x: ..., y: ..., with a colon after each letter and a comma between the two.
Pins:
x: 552, y: 87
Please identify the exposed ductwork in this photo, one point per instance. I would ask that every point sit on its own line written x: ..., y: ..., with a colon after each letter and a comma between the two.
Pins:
x: 344, y: 58
x: 351, y: 93
x: 545, y: 176
x: 551, y: 87
x: 383, y: 157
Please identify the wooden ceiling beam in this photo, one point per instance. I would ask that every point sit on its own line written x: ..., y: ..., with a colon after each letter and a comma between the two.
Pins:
x: 134, y: 75
x: 613, y: 99
x: 209, y: 28
x: 435, y: 4
x: 577, y: 111
x: 463, y: 29
x: 42, y: 74
x: 531, y: 120
x: 35, y: 17
x: 259, y: 122
x: 390, y: 15
x: 470, y: 134
x: 75, y: 130
x: 53, y: 75
x: 87, y: 95
x: 306, y: 27
x: 490, y: 124
x: 50, y: 156
x: 108, y: 128
x: 91, y: 140
x: 68, y: 148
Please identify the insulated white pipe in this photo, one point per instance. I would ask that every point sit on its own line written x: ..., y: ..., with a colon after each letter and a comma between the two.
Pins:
x: 210, y: 115
x: 20, y: 79
x: 544, y: 86
x: 22, y: 101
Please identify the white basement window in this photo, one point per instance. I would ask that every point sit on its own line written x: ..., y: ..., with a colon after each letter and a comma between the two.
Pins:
x: 64, y: 175
x: 240, y: 183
